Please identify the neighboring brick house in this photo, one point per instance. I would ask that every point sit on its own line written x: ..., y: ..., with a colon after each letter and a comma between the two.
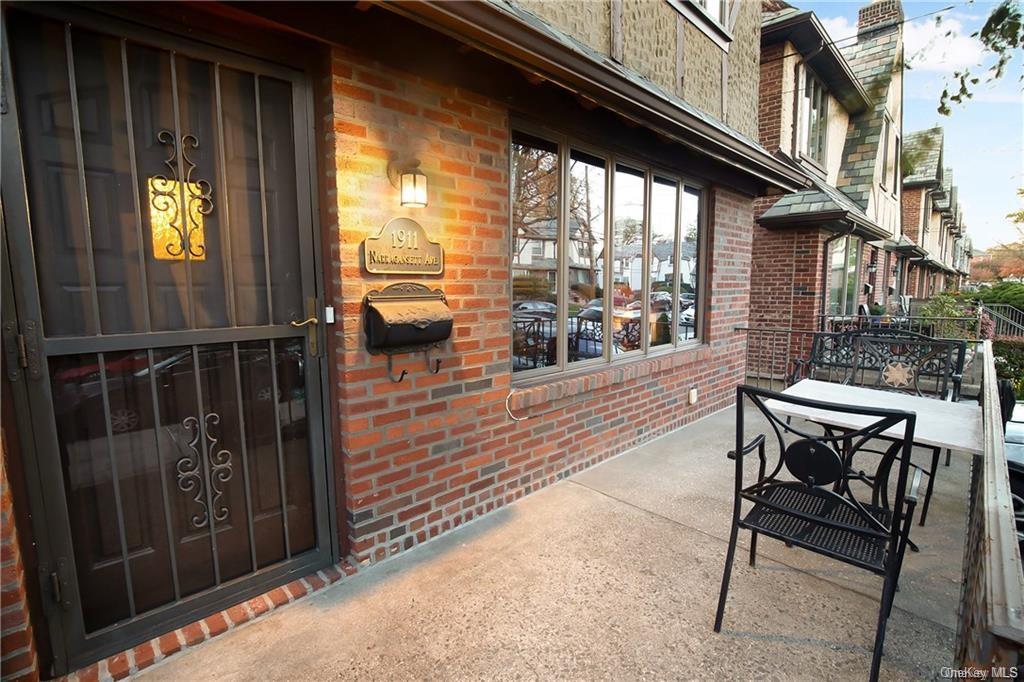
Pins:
x: 201, y: 433
x: 834, y: 111
x: 933, y: 218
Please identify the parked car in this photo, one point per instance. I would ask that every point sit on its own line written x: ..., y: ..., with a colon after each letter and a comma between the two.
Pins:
x: 1014, y: 447
x: 535, y: 309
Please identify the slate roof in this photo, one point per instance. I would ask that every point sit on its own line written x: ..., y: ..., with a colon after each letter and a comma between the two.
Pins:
x: 924, y: 148
x: 943, y: 202
x: 822, y: 198
x: 873, y: 59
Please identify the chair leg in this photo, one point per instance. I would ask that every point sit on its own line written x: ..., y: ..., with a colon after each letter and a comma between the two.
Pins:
x: 753, y: 549
x: 931, y: 483
x: 888, y: 596
x: 729, y: 556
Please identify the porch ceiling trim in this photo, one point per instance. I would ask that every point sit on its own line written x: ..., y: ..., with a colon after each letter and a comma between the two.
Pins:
x: 538, y: 48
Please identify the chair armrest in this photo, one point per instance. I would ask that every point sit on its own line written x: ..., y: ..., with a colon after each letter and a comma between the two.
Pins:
x: 914, y: 485
x: 800, y: 366
x: 748, y: 448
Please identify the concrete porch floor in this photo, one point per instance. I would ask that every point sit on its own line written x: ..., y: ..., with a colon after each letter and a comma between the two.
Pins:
x: 611, y: 574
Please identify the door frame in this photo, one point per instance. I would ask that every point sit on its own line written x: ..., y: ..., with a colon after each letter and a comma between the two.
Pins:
x: 71, y: 648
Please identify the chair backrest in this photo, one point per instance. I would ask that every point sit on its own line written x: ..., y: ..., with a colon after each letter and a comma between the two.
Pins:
x: 834, y: 357
x: 809, y: 455
x: 1007, y: 399
x: 919, y: 366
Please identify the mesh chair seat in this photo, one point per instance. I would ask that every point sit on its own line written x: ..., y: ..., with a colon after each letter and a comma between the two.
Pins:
x: 863, y: 550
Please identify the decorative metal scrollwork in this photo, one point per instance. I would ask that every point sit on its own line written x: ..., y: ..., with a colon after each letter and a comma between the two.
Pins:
x: 200, y: 198
x: 167, y: 193
x: 220, y: 469
x: 191, y: 473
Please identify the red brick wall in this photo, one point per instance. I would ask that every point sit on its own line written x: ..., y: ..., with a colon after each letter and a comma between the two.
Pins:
x: 879, y: 13
x: 435, y: 451
x: 787, y: 281
x: 911, y: 214
x: 769, y: 112
x: 17, y: 648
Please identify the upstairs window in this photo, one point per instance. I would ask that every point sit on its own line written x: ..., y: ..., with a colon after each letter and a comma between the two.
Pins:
x: 714, y: 9
x: 813, y: 112
x: 618, y: 272
x: 890, y: 155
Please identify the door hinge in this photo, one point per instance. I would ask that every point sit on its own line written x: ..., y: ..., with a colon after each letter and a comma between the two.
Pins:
x: 14, y: 351
x: 58, y: 584
x: 21, y: 350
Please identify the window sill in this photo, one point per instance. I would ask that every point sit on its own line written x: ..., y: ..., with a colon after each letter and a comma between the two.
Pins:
x: 813, y: 165
x: 697, y: 16
x: 539, y: 390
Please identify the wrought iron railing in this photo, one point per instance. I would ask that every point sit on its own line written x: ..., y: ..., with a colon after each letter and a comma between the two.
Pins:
x: 991, y: 617
x: 1008, y: 320
x: 772, y: 354
x: 966, y: 327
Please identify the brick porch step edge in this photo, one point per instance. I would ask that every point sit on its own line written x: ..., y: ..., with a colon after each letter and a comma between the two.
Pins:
x: 144, y: 655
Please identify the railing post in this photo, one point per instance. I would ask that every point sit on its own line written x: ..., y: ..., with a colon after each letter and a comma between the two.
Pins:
x: 981, y: 315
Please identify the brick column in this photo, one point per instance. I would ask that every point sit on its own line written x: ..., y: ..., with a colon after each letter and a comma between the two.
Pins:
x: 18, y: 659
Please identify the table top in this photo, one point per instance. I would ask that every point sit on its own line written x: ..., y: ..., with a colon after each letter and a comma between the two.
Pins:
x: 940, y: 423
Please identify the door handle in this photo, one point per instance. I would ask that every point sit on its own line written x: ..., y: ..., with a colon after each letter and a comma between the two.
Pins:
x: 310, y: 323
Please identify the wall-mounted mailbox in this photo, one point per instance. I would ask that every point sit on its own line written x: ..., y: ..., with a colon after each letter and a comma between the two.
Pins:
x: 406, y: 318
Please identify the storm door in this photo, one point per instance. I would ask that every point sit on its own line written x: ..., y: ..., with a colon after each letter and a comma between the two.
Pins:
x: 157, y: 206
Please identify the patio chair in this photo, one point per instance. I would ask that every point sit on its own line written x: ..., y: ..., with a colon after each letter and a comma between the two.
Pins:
x: 913, y: 364
x: 892, y: 360
x: 805, y: 499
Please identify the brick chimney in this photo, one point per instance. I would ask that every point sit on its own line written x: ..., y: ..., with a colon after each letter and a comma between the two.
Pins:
x: 879, y: 14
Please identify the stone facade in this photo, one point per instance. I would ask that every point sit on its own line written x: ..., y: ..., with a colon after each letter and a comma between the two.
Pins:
x: 589, y: 21
x: 743, y: 67
x: 662, y: 45
x: 702, y: 71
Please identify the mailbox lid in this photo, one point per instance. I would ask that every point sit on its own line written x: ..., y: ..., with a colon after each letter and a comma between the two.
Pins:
x: 402, y: 323
x: 418, y: 313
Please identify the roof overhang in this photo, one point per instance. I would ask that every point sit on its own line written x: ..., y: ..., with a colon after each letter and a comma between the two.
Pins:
x: 811, y: 39
x: 839, y: 222
x: 905, y: 249
x: 500, y: 33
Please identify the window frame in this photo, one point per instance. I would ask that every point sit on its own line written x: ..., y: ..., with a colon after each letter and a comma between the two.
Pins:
x: 566, y: 144
x: 697, y: 14
x: 888, y: 132
x: 846, y: 294
x: 803, y: 132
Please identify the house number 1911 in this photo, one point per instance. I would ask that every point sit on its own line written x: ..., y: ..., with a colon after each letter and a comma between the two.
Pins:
x: 402, y: 247
x: 404, y: 239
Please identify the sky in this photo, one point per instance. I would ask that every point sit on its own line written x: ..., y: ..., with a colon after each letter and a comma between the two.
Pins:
x: 984, y: 138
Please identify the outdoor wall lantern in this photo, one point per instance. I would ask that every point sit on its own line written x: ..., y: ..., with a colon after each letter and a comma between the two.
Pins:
x: 410, y: 181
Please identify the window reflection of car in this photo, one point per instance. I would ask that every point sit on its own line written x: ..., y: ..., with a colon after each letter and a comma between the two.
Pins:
x: 78, y: 389
x: 535, y: 309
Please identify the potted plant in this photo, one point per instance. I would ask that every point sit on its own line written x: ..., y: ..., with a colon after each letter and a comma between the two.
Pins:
x: 876, y: 311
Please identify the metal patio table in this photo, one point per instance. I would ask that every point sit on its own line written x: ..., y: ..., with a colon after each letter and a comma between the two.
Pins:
x: 942, y: 424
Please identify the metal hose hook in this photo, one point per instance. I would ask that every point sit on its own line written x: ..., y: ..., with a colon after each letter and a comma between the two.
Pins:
x: 508, y: 409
